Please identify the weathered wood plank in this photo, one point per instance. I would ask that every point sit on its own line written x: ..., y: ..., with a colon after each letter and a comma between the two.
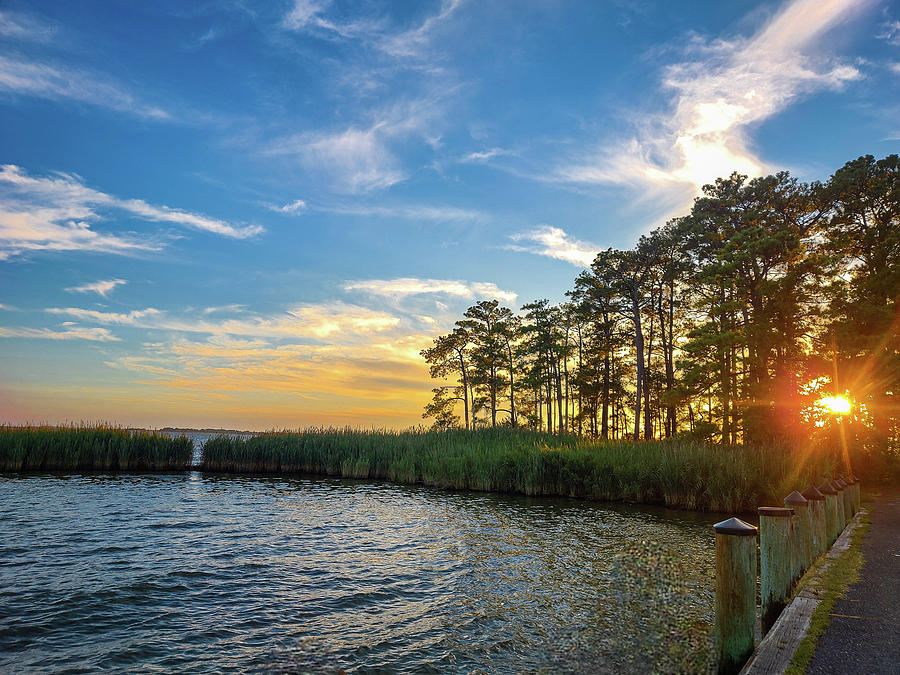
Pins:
x: 775, y: 651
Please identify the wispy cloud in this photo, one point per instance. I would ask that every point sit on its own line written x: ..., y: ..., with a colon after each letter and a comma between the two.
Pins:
x: 57, y: 213
x: 136, y: 317
x: 890, y: 32
x: 25, y: 28
x: 313, y: 16
x: 716, y: 98
x: 294, y: 207
x: 405, y: 286
x: 413, y: 42
x: 69, y: 333
x: 335, y: 321
x: 368, y: 153
x: 101, y: 288
x: 553, y: 242
x: 231, y: 309
x: 355, y: 159
x: 57, y: 82
x: 484, y: 156
x: 422, y: 212
x: 306, y: 15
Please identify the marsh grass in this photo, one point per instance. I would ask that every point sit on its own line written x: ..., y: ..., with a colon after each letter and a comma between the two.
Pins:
x: 679, y: 474
x: 91, y: 448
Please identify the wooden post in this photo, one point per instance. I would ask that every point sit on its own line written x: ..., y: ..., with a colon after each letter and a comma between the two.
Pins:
x: 848, y: 497
x: 831, y: 514
x: 774, y: 562
x: 816, y: 506
x: 802, y: 539
x: 856, y: 493
x: 841, y: 516
x: 735, y: 593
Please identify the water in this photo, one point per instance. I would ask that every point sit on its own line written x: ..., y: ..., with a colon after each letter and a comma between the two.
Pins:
x: 194, y: 572
x: 199, y: 438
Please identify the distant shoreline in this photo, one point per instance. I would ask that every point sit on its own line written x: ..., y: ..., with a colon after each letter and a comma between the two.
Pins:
x: 210, y: 431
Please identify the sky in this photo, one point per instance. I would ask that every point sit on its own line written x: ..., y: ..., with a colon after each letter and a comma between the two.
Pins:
x: 255, y: 215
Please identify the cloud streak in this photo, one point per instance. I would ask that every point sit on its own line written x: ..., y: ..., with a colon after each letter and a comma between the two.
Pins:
x: 717, y: 98
x: 555, y: 243
x: 101, y: 288
x: 57, y: 214
x: 55, y: 82
x: 406, y: 286
x: 335, y: 321
x: 71, y: 333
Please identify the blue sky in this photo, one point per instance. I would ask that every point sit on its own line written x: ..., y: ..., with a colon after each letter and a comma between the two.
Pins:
x: 254, y: 215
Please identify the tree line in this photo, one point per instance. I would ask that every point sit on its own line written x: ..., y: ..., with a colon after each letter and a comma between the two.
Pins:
x: 724, y: 324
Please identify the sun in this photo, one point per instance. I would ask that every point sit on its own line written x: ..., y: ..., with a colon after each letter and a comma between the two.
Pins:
x: 837, y: 405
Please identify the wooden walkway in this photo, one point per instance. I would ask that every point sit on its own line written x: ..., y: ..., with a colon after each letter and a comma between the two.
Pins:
x: 774, y: 653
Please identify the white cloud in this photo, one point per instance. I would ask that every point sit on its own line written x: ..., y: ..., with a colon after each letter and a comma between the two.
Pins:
x: 57, y: 213
x: 303, y: 13
x: 483, y: 156
x: 716, y: 100
x: 553, y: 242
x: 413, y: 42
x: 7, y: 308
x: 43, y: 80
x: 356, y: 160
x: 134, y: 318
x: 232, y: 309
x: 290, y: 208
x: 310, y: 15
x: 411, y: 212
x: 16, y: 26
x: 71, y: 333
x: 406, y: 286
x: 336, y: 320
x: 890, y: 33
x: 99, y: 287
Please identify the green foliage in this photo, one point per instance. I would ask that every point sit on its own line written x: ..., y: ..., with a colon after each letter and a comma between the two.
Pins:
x: 97, y: 448
x: 675, y: 473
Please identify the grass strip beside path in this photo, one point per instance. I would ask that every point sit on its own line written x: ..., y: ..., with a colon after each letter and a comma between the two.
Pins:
x: 841, y: 573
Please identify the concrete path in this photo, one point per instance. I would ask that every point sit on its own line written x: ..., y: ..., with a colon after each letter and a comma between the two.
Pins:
x: 864, y: 634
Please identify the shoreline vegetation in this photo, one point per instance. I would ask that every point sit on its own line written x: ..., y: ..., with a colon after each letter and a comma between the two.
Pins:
x: 734, y: 323
x: 97, y: 447
x: 678, y: 474
x: 684, y: 474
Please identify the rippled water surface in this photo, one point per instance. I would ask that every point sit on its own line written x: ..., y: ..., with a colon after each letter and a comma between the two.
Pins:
x: 203, y: 573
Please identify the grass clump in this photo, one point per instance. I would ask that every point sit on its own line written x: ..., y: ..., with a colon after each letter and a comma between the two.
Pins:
x: 91, y: 448
x: 675, y: 473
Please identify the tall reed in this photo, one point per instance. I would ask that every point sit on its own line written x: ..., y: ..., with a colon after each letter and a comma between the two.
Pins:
x: 91, y: 447
x: 675, y: 473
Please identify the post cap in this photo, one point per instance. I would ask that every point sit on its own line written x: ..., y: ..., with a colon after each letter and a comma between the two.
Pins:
x: 812, y: 493
x: 837, y: 486
x: 735, y: 526
x: 827, y: 489
x: 842, y: 484
x: 795, y: 499
x: 775, y: 511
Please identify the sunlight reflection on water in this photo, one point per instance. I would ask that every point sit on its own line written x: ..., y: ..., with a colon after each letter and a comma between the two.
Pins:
x: 197, y: 572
